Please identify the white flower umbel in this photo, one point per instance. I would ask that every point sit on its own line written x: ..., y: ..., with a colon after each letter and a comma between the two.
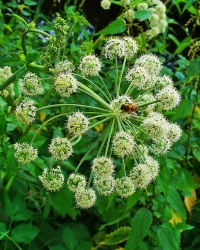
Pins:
x: 65, y: 67
x: 60, y: 148
x: 25, y: 112
x: 174, y: 132
x: 65, y: 84
x: 138, y: 77
x: 153, y: 165
x: 105, y: 4
x: 25, y: 153
x: 30, y: 85
x: 105, y: 186
x: 142, y: 6
x: 53, y: 179
x: 155, y: 125
x: 113, y: 48
x: 131, y: 47
x: 162, y: 146
x: 141, y: 176
x: 149, y: 62
x: 163, y: 81
x: 123, y: 144
x: 125, y: 187
x: 169, y: 97
x: 129, y: 15
x: 77, y: 124
x: 85, y: 197
x: 102, y: 167
x: 90, y: 65
x: 76, y: 180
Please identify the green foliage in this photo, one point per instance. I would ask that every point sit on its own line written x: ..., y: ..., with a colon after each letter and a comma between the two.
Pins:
x: 140, y: 225
x: 155, y: 218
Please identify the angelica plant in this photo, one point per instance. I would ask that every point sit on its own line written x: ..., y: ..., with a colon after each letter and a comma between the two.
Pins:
x: 131, y: 111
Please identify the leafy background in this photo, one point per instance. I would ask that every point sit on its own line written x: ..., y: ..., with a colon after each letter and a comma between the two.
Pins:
x: 167, y: 216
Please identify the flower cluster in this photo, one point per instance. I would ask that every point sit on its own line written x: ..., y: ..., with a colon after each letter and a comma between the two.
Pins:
x: 77, y: 124
x: 30, y: 85
x: 53, y: 179
x: 133, y: 125
x: 25, y: 153
x: 5, y: 72
x: 25, y: 112
x: 60, y: 148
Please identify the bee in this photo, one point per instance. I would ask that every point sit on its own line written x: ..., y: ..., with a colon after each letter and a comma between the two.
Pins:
x: 130, y: 108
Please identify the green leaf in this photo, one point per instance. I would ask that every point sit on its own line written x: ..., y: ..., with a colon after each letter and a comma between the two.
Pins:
x: 142, y: 14
x: 29, y: 2
x: 196, y: 153
x: 169, y: 238
x: 3, y: 124
x: 176, y: 203
x: 114, y: 215
x: 116, y: 27
x: 62, y: 201
x: 192, y: 10
x: 3, y: 231
x: 32, y: 56
x: 23, y: 215
x: 11, y: 163
x: 183, y: 110
x: 133, y: 199
x: 188, y: 4
x: 24, y: 233
x: 8, y: 206
x: 184, y: 44
x: 163, y: 177
x: 3, y: 104
x: 174, y: 39
x: 118, y: 236
x: 193, y: 69
x: 69, y: 238
x: 84, y: 245
x: 139, y: 229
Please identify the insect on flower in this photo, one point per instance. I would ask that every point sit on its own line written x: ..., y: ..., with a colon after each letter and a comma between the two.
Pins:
x: 130, y: 108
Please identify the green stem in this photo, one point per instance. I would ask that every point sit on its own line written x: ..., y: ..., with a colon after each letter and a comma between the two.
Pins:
x: 121, y: 74
x: 90, y: 149
x: 147, y: 103
x: 70, y: 104
x: 124, y: 167
x: 105, y: 87
x: 97, y: 116
x: 93, y: 95
x: 116, y: 81
x: 94, y: 85
x: 13, y: 242
x: 110, y: 134
x: 79, y: 137
x: 11, y: 78
x: 24, y: 37
x: 94, y: 125
x: 103, y: 141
